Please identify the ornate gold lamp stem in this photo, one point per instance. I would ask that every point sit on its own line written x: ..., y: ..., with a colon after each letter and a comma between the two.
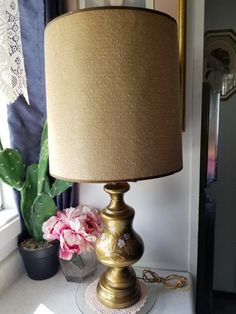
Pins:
x: 118, y: 247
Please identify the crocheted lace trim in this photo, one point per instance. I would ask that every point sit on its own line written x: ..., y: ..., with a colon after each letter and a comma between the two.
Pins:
x: 12, y: 69
x: 98, y: 307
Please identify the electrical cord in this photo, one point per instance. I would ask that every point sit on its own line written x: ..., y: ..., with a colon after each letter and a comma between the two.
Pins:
x: 170, y: 282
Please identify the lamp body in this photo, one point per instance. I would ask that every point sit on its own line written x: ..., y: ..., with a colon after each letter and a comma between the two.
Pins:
x: 118, y: 247
x: 114, y: 115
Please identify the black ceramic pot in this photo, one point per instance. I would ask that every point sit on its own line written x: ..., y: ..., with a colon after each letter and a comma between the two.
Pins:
x: 40, y: 263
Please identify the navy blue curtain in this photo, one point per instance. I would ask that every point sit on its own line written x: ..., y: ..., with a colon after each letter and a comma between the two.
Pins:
x: 53, y: 9
x: 26, y: 121
x: 69, y: 197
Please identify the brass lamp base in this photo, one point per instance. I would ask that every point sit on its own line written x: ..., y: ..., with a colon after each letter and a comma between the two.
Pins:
x: 118, y: 247
x: 118, y: 287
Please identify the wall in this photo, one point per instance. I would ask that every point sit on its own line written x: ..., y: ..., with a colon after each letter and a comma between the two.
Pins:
x: 220, y: 14
x: 167, y: 208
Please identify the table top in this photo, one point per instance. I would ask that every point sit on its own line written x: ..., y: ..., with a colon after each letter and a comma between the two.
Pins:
x: 57, y: 296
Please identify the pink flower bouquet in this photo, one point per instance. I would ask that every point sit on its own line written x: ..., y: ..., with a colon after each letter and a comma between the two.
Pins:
x: 75, y: 228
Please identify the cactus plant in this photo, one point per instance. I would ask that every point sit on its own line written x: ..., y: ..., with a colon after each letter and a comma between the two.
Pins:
x: 36, y: 191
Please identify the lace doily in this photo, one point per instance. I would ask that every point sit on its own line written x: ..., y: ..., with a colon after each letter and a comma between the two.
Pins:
x: 98, y: 307
x: 12, y: 69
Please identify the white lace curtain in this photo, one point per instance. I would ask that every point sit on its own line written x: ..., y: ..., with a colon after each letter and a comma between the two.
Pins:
x: 12, y: 69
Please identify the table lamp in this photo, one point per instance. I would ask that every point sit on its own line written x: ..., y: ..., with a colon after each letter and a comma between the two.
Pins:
x: 113, y: 105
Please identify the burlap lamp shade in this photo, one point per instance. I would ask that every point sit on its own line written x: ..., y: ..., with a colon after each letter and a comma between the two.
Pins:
x: 112, y: 85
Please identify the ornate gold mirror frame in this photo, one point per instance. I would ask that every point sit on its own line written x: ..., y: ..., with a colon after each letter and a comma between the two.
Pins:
x: 177, y: 9
x: 181, y: 20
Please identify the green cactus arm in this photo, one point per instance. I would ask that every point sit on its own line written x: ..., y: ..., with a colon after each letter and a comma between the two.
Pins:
x: 47, y: 186
x: 43, y: 159
x: 42, y: 209
x: 1, y: 147
x: 28, y: 195
x: 44, y: 135
x: 59, y: 186
x: 12, y: 168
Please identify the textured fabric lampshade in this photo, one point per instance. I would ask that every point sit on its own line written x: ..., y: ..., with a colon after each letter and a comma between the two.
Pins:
x: 113, y: 104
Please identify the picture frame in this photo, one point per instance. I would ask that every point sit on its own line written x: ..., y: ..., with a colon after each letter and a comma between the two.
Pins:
x: 176, y: 9
x: 220, y: 61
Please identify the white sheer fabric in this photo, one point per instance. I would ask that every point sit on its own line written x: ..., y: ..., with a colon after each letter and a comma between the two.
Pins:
x: 12, y: 69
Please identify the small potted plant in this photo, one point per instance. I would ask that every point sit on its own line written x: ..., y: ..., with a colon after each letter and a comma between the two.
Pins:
x: 37, y: 191
x: 77, y: 230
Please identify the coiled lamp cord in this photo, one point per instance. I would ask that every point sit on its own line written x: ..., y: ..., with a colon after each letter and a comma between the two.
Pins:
x: 170, y: 282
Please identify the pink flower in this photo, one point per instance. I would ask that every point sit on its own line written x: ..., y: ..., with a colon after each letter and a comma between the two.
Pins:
x: 127, y: 236
x: 52, y: 228
x: 70, y: 242
x: 77, y: 229
x: 91, y: 223
x: 121, y: 243
x: 85, y: 220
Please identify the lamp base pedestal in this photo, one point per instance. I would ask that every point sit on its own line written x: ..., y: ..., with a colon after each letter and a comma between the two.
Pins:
x: 118, y: 247
x: 87, y: 300
x: 118, y: 288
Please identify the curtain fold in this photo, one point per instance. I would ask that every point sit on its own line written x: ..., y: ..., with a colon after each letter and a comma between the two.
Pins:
x: 70, y: 197
x: 53, y: 9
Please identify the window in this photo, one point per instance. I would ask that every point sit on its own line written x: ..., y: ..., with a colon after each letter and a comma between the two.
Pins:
x: 1, y: 198
x: 9, y: 218
x: 4, y: 135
